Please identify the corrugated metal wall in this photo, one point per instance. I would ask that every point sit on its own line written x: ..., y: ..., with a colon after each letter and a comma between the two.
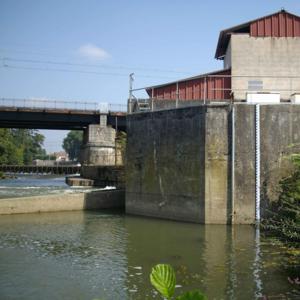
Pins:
x: 279, y: 25
x: 206, y: 87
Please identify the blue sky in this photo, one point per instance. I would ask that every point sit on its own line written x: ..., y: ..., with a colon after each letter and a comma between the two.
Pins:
x: 157, y: 40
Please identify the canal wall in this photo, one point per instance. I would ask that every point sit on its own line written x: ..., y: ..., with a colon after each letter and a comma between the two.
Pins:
x: 187, y: 164
x: 93, y: 200
x: 177, y: 164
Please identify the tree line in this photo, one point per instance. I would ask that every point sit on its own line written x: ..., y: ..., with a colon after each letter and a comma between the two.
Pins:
x: 21, y: 146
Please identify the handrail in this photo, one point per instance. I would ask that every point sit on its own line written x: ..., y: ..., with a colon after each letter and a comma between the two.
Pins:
x: 99, y: 107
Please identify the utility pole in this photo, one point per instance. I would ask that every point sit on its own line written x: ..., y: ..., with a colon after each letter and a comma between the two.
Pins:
x: 131, y: 79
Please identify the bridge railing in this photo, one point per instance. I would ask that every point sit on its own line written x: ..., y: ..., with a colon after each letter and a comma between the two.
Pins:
x: 101, y: 107
x: 117, y: 107
x: 51, y: 104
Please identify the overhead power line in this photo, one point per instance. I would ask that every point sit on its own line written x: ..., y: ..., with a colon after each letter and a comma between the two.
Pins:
x: 50, y: 62
x: 79, y: 71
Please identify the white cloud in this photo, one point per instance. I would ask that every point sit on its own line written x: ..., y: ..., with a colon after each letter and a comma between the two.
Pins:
x: 93, y: 52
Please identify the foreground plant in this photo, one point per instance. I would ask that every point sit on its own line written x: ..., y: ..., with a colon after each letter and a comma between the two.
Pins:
x: 163, y: 278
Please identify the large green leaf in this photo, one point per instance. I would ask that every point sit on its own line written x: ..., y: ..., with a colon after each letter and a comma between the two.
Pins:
x: 193, y: 295
x: 163, y: 279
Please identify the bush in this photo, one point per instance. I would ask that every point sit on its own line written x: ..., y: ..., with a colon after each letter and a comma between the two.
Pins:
x: 284, y: 215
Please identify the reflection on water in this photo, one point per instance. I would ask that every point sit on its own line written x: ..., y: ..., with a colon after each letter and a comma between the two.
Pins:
x: 83, y: 255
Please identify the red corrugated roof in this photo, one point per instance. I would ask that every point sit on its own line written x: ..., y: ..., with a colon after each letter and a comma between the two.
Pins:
x: 279, y: 24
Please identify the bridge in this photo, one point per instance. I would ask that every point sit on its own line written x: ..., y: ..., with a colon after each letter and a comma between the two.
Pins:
x: 65, y: 115
x: 99, y: 122
x: 58, y: 169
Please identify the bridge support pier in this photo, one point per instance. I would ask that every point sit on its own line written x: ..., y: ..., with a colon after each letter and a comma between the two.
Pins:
x: 99, y: 157
x: 99, y: 146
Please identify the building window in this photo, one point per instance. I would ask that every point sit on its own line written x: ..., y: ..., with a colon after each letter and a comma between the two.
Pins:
x: 255, y: 85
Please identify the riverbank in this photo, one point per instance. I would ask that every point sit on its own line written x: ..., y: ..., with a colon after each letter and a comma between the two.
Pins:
x: 89, y: 200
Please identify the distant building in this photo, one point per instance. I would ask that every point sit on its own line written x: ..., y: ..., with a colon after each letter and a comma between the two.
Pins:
x: 262, y: 55
x: 60, y: 156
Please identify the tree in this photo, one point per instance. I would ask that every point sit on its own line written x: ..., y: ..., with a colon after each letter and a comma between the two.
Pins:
x: 10, y: 153
x: 72, y: 143
x: 20, y: 146
x: 31, y: 142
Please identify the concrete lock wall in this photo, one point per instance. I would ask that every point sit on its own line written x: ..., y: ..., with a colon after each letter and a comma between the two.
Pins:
x: 179, y: 162
x: 274, y: 58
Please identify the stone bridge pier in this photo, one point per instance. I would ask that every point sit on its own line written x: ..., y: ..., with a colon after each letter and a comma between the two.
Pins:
x: 99, y: 146
x: 100, y: 156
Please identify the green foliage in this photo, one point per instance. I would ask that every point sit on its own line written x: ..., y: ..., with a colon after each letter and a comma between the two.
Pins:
x: 20, y: 146
x: 72, y: 143
x: 284, y: 215
x: 193, y: 295
x: 163, y: 278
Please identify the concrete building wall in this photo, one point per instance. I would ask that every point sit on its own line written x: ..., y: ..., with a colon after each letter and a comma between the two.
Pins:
x: 263, y: 57
x: 227, y: 57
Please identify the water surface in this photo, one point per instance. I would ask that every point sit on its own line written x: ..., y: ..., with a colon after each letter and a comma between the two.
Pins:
x: 108, y: 255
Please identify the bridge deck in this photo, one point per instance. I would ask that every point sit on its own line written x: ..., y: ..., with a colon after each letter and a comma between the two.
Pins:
x: 55, y: 118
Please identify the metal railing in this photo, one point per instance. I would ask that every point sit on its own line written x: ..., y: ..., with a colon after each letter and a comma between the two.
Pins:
x: 57, y: 169
x: 61, y: 105
x: 217, y: 88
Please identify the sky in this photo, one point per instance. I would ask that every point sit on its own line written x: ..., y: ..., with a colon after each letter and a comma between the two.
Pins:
x: 84, y: 50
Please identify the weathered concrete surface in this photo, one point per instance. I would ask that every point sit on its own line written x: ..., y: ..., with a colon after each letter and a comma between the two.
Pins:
x: 280, y: 137
x: 172, y: 171
x: 63, y: 202
x: 216, y: 165
x: 103, y: 176
x: 179, y: 162
x: 244, y: 165
x: 98, y: 146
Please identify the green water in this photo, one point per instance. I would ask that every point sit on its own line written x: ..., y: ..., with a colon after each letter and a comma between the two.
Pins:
x: 84, y: 255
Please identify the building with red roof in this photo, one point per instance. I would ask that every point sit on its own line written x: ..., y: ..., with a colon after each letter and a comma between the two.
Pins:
x: 260, y: 56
